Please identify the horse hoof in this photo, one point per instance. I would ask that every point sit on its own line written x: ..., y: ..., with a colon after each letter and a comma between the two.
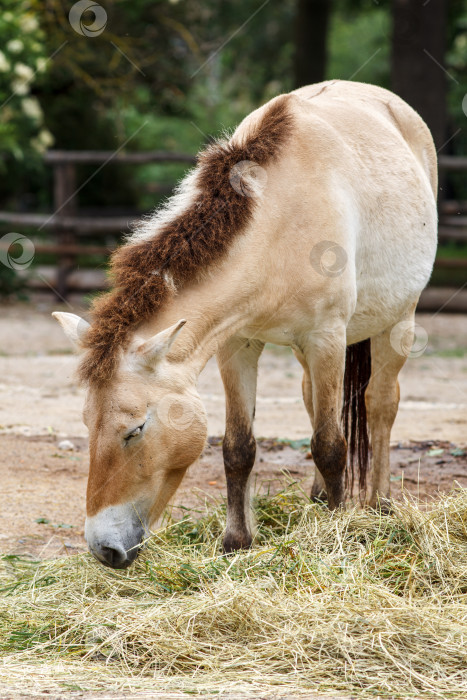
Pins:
x: 235, y: 543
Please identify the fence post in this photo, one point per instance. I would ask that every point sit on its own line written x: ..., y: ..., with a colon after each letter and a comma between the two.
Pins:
x: 65, y: 205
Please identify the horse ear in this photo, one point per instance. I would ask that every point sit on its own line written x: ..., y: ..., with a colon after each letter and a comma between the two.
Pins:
x: 159, y: 345
x: 74, y: 327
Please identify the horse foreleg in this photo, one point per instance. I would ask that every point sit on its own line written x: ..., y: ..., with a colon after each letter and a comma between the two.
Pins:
x: 238, y: 364
x: 325, y: 358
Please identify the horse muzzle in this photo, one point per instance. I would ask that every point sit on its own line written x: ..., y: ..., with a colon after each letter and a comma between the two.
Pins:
x: 114, y: 535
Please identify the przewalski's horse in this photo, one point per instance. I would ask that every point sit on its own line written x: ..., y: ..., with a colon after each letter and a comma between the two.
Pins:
x: 313, y: 226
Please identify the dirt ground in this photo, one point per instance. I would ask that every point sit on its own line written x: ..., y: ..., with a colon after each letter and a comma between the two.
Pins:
x: 40, y: 405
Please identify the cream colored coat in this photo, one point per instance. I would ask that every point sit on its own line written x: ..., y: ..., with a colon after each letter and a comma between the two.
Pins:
x: 340, y: 246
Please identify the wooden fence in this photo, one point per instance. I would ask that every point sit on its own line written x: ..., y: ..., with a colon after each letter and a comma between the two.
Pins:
x: 70, y: 232
x: 69, y: 229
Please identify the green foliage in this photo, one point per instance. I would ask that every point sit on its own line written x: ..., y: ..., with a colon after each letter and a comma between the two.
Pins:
x: 165, y: 75
x: 23, y: 60
x: 359, y: 45
x: 456, y: 62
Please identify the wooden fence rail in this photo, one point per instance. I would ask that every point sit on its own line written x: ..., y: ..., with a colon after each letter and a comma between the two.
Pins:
x: 67, y: 226
x: 100, y: 157
x: 70, y: 230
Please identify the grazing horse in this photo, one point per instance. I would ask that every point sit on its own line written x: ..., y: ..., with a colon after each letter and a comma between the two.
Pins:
x: 313, y: 226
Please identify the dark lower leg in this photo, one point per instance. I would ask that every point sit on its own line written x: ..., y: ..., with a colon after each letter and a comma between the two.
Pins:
x: 329, y: 451
x: 238, y: 361
x: 325, y: 359
x: 239, y: 458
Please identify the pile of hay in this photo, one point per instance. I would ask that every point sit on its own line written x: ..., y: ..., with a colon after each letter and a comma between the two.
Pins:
x: 349, y: 602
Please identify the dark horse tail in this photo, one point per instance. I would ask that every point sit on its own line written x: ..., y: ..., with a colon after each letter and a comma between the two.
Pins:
x: 356, y: 378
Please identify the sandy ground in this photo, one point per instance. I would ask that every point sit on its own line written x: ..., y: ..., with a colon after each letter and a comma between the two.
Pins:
x: 40, y: 404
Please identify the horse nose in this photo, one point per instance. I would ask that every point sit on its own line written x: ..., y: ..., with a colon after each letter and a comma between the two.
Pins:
x: 114, y: 536
x: 115, y: 557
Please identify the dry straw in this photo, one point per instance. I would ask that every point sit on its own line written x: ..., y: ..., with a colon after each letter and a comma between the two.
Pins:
x: 349, y: 603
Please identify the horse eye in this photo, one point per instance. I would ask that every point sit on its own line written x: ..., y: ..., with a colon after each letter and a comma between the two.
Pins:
x: 134, y: 433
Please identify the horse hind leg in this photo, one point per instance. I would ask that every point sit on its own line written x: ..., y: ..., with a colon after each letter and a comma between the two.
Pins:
x: 389, y: 351
x: 318, y: 489
x: 325, y: 358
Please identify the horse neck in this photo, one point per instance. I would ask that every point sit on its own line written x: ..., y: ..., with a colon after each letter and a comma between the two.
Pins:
x: 213, y: 312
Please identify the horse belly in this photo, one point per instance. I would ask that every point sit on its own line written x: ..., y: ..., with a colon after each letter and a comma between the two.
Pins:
x: 393, y: 265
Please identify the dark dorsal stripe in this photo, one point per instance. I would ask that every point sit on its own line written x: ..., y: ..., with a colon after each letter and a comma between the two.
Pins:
x: 182, y: 247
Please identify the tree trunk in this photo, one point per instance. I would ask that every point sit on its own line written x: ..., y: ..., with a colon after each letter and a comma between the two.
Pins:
x: 417, y: 61
x: 311, y: 32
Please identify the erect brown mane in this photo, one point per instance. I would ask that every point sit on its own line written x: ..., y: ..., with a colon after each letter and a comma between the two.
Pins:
x: 182, y: 247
